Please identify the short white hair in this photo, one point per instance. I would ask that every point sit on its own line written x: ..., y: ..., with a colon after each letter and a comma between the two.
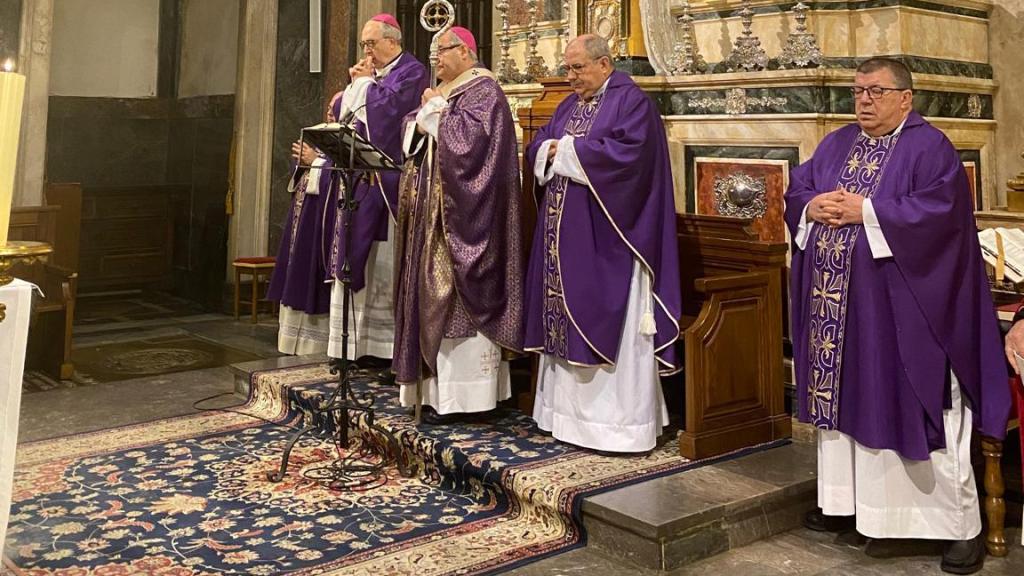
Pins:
x: 389, y: 31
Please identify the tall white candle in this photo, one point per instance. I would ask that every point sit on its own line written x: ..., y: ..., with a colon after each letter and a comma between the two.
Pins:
x: 12, y: 94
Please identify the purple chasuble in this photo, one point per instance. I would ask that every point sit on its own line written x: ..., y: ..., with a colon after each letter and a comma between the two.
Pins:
x: 458, y: 245
x: 387, y: 102
x: 588, y: 236
x: 301, y: 265
x: 874, y: 339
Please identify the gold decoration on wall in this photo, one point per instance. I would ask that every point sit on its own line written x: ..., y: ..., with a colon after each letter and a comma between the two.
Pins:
x: 974, y: 106
x: 605, y: 18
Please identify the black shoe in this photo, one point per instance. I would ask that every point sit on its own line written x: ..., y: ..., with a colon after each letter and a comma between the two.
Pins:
x: 386, y: 377
x: 430, y: 416
x: 963, y: 556
x: 817, y: 520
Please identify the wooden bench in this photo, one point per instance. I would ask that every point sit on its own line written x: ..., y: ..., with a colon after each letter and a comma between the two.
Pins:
x: 53, y: 314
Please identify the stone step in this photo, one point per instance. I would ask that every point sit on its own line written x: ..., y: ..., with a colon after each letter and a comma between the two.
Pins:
x: 669, y: 522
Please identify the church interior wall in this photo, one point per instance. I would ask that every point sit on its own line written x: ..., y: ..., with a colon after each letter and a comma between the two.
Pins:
x: 161, y: 143
x: 298, y: 102
x: 1006, y: 39
x: 209, y: 48
x: 105, y: 48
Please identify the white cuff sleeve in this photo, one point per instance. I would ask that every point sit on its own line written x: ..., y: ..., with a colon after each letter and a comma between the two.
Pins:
x: 354, y: 98
x: 803, y: 231
x: 429, y: 116
x: 541, y: 170
x: 876, y: 240
x: 566, y: 163
x: 315, y: 173
x: 411, y: 144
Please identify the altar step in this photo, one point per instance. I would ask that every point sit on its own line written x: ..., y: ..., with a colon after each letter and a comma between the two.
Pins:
x: 669, y: 522
x: 665, y: 523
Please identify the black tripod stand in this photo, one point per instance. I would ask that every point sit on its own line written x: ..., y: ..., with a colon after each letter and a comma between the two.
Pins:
x: 363, y: 458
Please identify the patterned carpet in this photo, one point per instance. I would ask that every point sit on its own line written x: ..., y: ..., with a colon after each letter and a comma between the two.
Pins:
x: 189, y: 495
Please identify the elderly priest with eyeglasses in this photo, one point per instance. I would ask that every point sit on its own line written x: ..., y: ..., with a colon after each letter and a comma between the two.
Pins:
x: 603, y: 292
x: 896, y: 345
x: 459, y: 293
x: 386, y: 85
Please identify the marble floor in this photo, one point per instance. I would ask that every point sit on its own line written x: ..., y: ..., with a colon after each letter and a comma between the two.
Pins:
x: 63, y: 411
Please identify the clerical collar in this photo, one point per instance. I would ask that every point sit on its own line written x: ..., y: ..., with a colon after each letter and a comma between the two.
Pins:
x: 600, y: 90
x: 889, y: 135
x: 378, y: 74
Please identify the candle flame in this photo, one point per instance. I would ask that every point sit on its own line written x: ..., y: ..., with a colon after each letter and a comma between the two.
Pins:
x: 9, y: 65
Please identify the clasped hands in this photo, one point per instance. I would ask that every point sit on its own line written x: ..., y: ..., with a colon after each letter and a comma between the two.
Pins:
x: 304, y: 153
x: 836, y: 208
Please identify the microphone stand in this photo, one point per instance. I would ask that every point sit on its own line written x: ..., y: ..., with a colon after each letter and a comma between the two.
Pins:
x: 363, y: 459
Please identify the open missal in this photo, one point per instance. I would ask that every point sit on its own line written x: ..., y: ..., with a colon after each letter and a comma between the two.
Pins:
x: 337, y: 140
x: 1013, y: 251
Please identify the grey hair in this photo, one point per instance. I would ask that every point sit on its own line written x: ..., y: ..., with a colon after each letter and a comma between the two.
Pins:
x: 389, y: 31
x: 900, y: 73
x: 596, y: 47
x: 456, y: 41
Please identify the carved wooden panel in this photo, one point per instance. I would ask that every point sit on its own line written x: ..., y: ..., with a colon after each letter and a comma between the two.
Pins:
x: 127, y: 236
x: 744, y: 188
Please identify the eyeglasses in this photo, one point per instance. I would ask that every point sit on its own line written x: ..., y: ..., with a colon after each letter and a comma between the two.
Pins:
x: 364, y: 44
x: 441, y: 49
x: 875, y: 92
x: 576, y: 68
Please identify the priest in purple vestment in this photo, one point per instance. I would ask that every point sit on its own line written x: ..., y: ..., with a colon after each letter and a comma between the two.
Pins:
x: 386, y: 85
x: 896, y: 346
x: 300, y: 269
x: 602, y: 291
x: 459, y: 293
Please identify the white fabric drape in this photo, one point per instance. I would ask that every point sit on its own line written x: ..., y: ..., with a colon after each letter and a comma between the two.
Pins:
x: 17, y: 300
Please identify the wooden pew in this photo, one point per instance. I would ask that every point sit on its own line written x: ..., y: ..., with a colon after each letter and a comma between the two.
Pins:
x: 53, y: 315
x: 732, y: 336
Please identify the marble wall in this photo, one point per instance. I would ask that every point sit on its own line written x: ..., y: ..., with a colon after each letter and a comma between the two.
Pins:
x: 10, y: 29
x: 177, y: 144
x: 1006, y: 38
x: 298, y: 102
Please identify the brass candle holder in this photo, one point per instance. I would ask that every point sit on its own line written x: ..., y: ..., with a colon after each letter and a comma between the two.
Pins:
x: 20, y: 251
x: 1015, y: 194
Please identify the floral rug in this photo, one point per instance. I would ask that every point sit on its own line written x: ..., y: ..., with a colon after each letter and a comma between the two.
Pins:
x: 189, y: 495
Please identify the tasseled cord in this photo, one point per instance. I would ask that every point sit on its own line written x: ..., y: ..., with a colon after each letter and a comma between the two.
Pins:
x: 648, y: 327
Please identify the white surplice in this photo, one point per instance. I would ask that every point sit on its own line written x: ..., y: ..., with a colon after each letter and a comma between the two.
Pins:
x: 372, y: 316
x: 615, y: 409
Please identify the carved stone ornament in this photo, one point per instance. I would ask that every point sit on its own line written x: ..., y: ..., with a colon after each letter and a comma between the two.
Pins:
x: 3, y: 311
x: 735, y: 102
x: 974, y: 106
x: 741, y: 195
